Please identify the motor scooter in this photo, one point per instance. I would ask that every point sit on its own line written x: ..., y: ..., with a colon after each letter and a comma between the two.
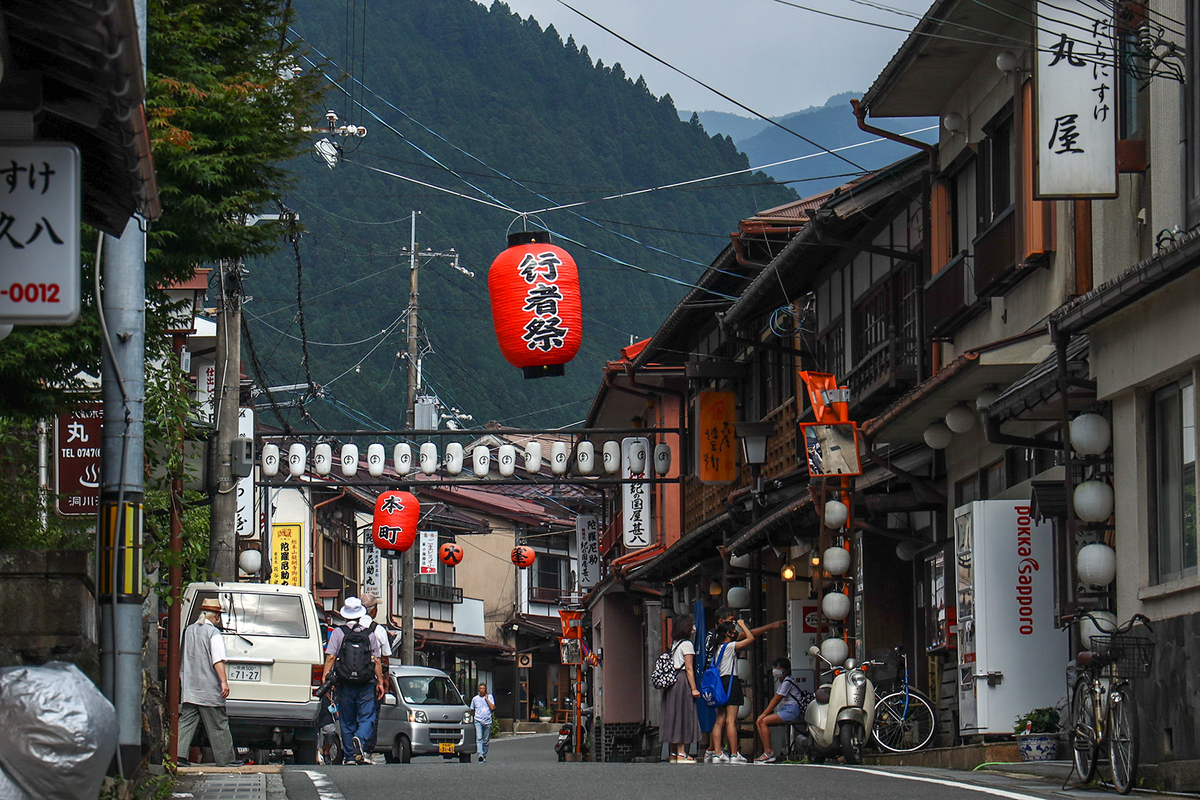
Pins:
x: 840, y: 718
x: 566, y: 736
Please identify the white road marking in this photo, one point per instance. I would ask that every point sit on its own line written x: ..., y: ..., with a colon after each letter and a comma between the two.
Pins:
x: 941, y: 782
x: 325, y: 787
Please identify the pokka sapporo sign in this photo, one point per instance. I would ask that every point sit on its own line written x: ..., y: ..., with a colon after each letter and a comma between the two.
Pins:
x: 536, y: 308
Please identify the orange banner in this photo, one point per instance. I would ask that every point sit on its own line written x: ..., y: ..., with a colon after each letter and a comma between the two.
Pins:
x: 716, y: 462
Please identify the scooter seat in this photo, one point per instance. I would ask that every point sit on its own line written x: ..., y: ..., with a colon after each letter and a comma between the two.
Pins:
x: 822, y: 694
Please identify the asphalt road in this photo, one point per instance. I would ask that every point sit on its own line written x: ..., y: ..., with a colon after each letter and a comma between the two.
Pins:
x: 526, y: 767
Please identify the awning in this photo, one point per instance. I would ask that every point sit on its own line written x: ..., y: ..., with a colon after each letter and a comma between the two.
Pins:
x: 798, y: 510
x: 1048, y: 500
x: 692, y: 547
x: 1035, y: 396
x: 998, y: 364
x: 531, y: 625
x: 459, y: 641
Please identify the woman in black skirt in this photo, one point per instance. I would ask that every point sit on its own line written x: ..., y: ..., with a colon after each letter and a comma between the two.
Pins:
x: 679, y: 725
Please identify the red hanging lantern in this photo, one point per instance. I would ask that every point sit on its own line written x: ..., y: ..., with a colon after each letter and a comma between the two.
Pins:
x: 450, y: 554
x: 395, y: 522
x: 536, y: 310
x: 523, y: 556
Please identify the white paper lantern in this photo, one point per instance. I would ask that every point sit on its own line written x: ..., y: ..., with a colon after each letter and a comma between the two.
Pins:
x: 270, y: 460
x: 907, y: 551
x: 741, y: 668
x: 1090, y: 434
x: 637, y: 456
x: 323, y: 459
x: 738, y: 597
x: 376, y: 460
x: 250, y: 561
x: 427, y: 457
x: 1100, y: 622
x: 454, y: 458
x: 506, y: 459
x: 533, y: 457
x: 662, y: 458
x: 836, y: 560
x: 938, y: 436
x: 1093, y: 501
x: 612, y: 457
x: 481, y: 461
x: 835, y: 651
x: 349, y: 459
x: 402, y: 458
x: 744, y: 710
x: 297, y: 459
x: 986, y: 397
x: 960, y: 419
x: 836, y: 514
x: 835, y: 605
x: 558, y: 458
x: 1096, y: 564
x: 585, y: 458
x: 740, y: 562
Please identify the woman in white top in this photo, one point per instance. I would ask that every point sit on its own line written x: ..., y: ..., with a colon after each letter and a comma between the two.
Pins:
x: 726, y: 724
x: 679, y: 725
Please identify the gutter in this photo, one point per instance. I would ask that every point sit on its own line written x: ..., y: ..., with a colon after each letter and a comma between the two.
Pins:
x: 860, y: 113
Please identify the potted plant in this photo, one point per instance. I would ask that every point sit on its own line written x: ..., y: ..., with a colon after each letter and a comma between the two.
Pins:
x: 1037, y: 734
x: 543, y: 714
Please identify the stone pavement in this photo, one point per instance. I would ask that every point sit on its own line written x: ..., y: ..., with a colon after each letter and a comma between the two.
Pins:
x: 260, y: 782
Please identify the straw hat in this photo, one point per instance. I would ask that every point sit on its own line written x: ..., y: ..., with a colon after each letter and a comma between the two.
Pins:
x: 212, y: 605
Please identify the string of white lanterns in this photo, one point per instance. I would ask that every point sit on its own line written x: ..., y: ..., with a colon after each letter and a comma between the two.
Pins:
x: 959, y: 419
x: 584, y: 459
x: 1093, y: 500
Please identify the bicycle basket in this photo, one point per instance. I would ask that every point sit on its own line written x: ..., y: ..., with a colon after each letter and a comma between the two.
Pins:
x: 888, y: 672
x: 1128, y: 656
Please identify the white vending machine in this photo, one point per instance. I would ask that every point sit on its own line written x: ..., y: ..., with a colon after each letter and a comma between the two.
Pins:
x: 1010, y: 654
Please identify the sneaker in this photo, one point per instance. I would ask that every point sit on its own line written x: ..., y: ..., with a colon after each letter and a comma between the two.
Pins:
x: 738, y: 758
x: 349, y: 762
x: 721, y: 759
x: 709, y: 755
x: 483, y: 759
x: 766, y: 758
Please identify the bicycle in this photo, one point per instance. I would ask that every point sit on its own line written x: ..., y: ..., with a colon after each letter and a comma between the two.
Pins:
x: 1107, y: 714
x: 905, y: 720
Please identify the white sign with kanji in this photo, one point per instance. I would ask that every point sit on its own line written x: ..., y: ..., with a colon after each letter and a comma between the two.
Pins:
x: 1075, y: 131
x: 244, y: 519
x: 429, y: 555
x: 635, y: 498
x: 587, y: 530
x: 39, y: 234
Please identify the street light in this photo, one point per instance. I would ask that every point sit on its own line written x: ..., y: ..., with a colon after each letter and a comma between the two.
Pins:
x: 753, y: 436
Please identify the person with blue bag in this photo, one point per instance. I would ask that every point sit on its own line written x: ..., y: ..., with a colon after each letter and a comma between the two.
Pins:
x: 722, y: 689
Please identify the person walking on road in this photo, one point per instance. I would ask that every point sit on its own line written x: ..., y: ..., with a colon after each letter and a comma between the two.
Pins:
x: 680, y: 726
x: 726, y: 725
x: 482, y: 706
x: 203, y: 687
x: 353, y: 655
x: 379, y: 631
x: 786, y: 708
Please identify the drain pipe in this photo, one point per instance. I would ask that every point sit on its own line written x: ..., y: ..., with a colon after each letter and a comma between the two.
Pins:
x: 860, y: 114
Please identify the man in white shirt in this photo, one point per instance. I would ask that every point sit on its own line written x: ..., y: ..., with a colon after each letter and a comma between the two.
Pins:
x: 371, y: 604
x: 482, y: 705
x: 203, y: 687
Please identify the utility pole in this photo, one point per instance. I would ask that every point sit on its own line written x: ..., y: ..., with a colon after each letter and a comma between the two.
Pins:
x: 408, y: 558
x: 222, y: 550
x: 119, y: 584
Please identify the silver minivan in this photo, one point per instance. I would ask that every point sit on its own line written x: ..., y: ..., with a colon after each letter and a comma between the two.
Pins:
x: 424, y: 714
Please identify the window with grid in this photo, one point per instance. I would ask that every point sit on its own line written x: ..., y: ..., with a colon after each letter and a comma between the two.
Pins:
x: 549, y: 578
x: 1173, y: 487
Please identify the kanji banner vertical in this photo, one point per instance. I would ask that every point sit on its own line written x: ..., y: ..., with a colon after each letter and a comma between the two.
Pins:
x: 716, y: 462
x: 587, y: 532
x: 286, y: 545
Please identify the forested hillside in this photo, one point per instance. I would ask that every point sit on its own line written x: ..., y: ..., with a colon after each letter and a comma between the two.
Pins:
x: 543, y: 125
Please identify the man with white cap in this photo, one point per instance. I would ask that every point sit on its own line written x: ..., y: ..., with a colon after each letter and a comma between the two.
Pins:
x: 203, y: 687
x: 371, y: 604
x: 353, y: 655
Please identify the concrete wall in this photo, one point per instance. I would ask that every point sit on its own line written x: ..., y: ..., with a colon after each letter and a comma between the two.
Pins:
x: 487, y: 572
x: 47, y: 609
x: 623, y: 678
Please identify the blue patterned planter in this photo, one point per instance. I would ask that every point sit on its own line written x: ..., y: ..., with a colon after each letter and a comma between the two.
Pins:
x: 1037, y: 747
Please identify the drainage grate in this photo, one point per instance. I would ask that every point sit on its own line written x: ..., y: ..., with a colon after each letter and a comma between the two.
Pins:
x: 232, y: 787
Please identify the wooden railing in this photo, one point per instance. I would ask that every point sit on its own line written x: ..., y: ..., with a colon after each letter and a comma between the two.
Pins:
x: 996, y: 255
x: 437, y: 593
x: 542, y: 594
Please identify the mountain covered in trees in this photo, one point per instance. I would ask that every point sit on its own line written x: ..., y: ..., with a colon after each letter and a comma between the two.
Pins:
x: 483, y: 103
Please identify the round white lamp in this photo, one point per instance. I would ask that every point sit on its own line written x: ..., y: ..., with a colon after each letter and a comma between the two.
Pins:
x: 835, y: 605
x: 986, y: 397
x: 953, y: 122
x: 741, y: 668
x: 907, y: 551
x: 836, y: 560
x: 5, y: 330
x: 481, y: 461
x: 427, y: 458
x: 662, y: 458
x: 375, y: 460
x: 297, y: 459
x: 835, y: 651
x: 738, y: 597
x: 270, y: 460
x: 612, y: 457
x: 533, y: 457
x: 402, y: 458
x: 744, y: 710
x: 1093, y: 501
x: 836, y: 514
x: 1090, y: 434
x: 323, y: 459
x: 960, y: 419
x: 454, y: 458
x: 1104, y: 623
x: 938, y: 436
x: 349, y: 458
x: 558, y: 458
x: 506, y: 459
x: 250, y: 561
x: 740, y: 562
x: 1006, y: 61
x: 585, y: 458
x: 1096, y: 564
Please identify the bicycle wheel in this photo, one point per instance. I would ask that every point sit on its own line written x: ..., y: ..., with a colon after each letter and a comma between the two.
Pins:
x: 904, y: 722
x: 1122, y: 740
x: 1083, y: 730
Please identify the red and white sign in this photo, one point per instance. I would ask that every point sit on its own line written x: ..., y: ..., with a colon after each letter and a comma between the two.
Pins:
x: 429, y: 556
x: 77, y: 461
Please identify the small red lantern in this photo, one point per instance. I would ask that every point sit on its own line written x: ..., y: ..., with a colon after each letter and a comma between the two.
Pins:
x: 450, y: 554
x: 395, y: 522
x: 523, y: 556
x: 536, y: 310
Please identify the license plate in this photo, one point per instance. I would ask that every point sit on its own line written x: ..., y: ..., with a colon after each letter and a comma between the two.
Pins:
x: 245, y: 672
x: 446, y: 747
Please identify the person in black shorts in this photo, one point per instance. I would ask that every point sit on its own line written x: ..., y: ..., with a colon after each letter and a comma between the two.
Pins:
x: 728, y: 643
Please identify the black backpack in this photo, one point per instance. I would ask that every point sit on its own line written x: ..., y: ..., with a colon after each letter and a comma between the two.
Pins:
x: 354, y: 663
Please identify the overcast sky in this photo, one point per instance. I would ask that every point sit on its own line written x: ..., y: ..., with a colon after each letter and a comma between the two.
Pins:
x: 772, y: 57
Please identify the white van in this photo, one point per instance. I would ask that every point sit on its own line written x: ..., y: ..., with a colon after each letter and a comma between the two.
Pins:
x: 274, y: 646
